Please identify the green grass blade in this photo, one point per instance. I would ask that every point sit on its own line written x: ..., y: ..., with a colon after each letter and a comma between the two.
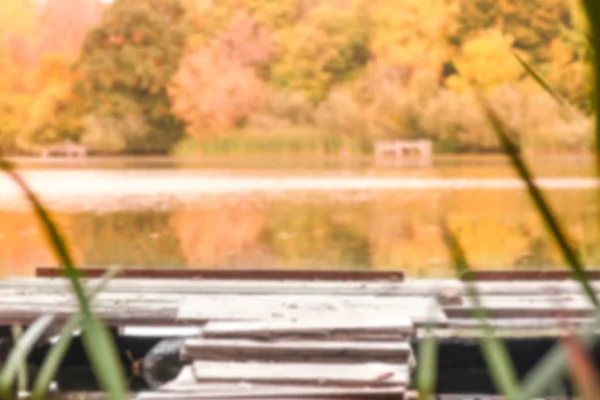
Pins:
x: 19, y: 353
x: 552, y: 366
x: 592, y: 10
x: 427, y: 366
x: 17, y: 332
x: 99, y: 346
x: 541, y: 81
x: 496, y: 355
x: 552, y: 223
x: 54, y: 358
x: 51, y: 230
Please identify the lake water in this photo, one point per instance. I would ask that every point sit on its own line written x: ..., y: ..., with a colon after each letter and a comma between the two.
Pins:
x: 309, y: 215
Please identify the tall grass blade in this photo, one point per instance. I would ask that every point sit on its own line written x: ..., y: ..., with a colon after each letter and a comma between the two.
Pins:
x: 51, y: 230
x: 592, y: 11
x: 19, y: 353
x: 496, y: 355
x: 582, y: 369
x: 552, y: 366
x: 57, y: 353
x: 541, y: 81
x: 551, y: 222
x: 17, y: 332
x: 427, y: 366
x: 97, y: 341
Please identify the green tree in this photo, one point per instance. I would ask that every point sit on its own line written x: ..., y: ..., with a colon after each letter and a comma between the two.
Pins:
x: 126, y: 64
x: 326, y: 47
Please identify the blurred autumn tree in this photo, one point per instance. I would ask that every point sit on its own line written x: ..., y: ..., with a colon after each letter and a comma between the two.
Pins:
x: 533, y: 24
x: 64, y: 25
x: 17, y: 60
x: 125, y: 66
x: 333, y: 73
x: 41, y: 42
x: 327, y: 46
x: 218, y: 85
x: 485, y: 60
x: 211, y: 106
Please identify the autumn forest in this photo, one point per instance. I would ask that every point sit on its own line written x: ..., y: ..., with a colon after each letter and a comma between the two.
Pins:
x: 326, y: 77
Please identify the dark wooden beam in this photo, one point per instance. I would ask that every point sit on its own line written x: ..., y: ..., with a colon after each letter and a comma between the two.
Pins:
x: 237, y: 274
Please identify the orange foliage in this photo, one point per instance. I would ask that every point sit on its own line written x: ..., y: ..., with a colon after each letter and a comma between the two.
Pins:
x: 246, y: 41
x: 64, y: 24
x: 211, y: 92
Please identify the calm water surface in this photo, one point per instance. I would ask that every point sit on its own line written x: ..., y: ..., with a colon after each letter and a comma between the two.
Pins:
x: 313, y: 216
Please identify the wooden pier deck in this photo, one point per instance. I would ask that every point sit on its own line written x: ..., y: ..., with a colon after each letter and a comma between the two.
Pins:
x: 295, y: 335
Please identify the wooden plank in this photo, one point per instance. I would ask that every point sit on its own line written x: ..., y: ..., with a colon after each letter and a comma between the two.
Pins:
x: 525, y: 275
x: 236, y: 274
x: 140, y: 314
x: 365, y: 374
x: 533, y: 324
x: 539, y: 306
x: 322, y: 329
x: 205, y: 308
x: 418, y: 287
x: 185, y: 386
x: 299, y: 351
x: 285, y: 393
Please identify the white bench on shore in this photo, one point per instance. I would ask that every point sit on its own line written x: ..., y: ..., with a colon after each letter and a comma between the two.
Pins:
x: 404, y: 151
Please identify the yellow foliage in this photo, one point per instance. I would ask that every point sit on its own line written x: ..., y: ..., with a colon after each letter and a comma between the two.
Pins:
x: 17, y: 17
x: 486, y: 60
x: 412, y: 32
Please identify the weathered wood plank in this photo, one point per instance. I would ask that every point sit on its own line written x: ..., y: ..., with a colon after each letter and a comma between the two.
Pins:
x: 429, y: 287
x: 323, y: 329
x: 204, y: 308
x: 535, y: 306
x: 185, y: 386
x: 237, y: 274
x: 367, y: 374
x: 519, y: 323
x: 300, y: 351
x: 132, y: 314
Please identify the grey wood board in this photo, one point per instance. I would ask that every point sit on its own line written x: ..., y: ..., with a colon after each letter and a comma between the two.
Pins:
x: 322, y: 351
x: 416, y: 287
x: 361, y: 375
x: 185, y: 386
x: 532, y: 306
x: 419, y: 309
x: 132, y: 313
x: 519, y: 323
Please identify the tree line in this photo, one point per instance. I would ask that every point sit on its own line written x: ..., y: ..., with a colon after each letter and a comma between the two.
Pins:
x: 327, y: 76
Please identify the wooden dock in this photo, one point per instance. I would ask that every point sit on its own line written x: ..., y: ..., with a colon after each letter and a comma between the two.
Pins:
x: 302, y: 335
